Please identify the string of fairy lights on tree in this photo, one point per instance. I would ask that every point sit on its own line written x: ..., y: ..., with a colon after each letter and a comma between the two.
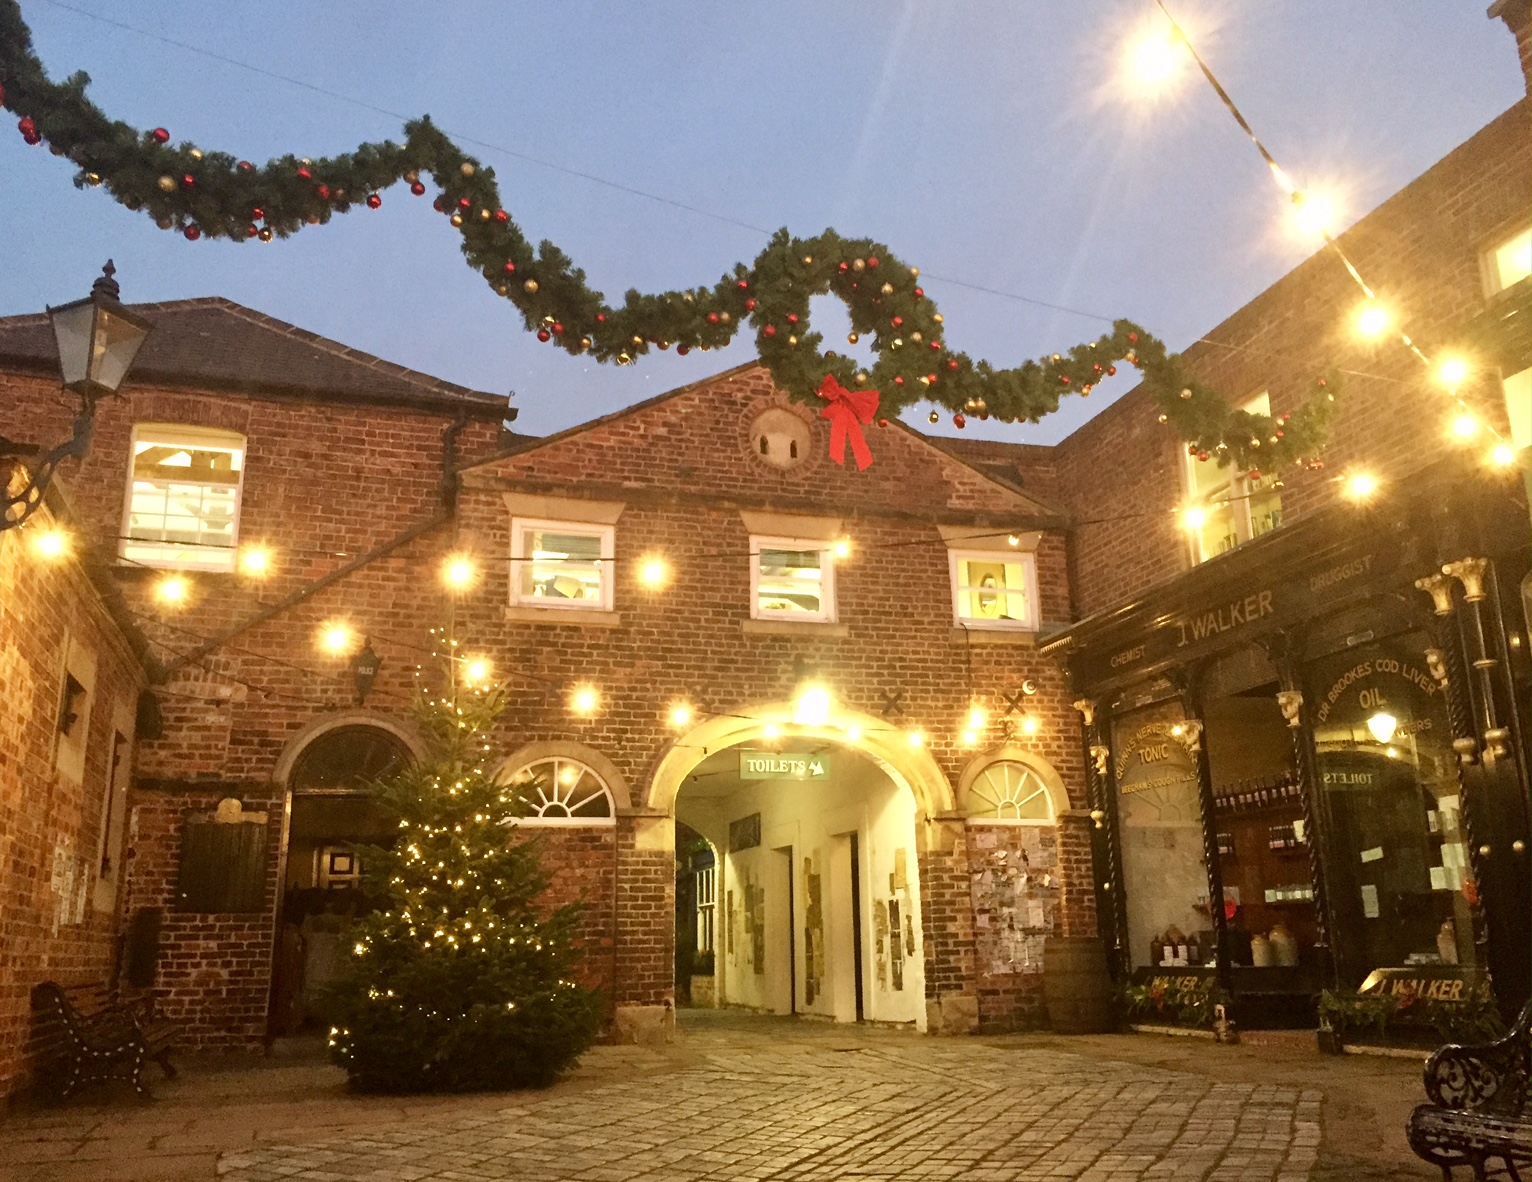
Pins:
x: 212, y: 194
x: 1156, y: 61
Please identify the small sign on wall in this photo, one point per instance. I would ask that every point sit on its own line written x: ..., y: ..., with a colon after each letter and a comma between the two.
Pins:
x: 745, y: 833
x: 783, y: 765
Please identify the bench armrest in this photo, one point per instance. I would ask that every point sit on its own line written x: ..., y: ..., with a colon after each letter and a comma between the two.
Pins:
x: 1493, y: 1076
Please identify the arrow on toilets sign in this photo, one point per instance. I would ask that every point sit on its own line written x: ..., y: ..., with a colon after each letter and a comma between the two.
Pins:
x: 783, y: 765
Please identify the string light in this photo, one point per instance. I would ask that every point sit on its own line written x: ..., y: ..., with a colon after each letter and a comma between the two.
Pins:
x: 172, y: 590
x: 653, y: 572
x: 970, y: 738
x: 812, y: 706
x: 336, y: 637
x: 459, y: 572
x: 1314, y: 213
x: 977, y: 719
x: 584, y: 701
x: 1372, y: 319
x: 476, y: 670
x: 255, y: 561
x: 1465, y: 426
x: 51, y: 544
x: 916, y: 739
x: 1193, y: 518
x: 1013, y: 540
x: 842, y: 548
x: 1452, y: 372
x: 1155, y: 61
x: 1029, y: 724
x: 854, y: 733
x: 681, y: 715
x: 1503, y: 455
x: 771, y: 731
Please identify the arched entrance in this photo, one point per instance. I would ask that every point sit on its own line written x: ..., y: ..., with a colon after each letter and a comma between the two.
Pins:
x: 819, y: 831
x: 330, y: 812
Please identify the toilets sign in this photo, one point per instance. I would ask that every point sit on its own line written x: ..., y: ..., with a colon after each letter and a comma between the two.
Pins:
x: 783, y: 765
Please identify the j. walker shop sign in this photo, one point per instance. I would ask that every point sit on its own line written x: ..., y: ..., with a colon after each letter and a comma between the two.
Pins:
x: 1184, y: 631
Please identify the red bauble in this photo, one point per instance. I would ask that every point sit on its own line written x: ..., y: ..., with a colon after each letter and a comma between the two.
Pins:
x: 1097, y: 367
x: 558, y: 329
x: 501, y: 216
x: 510, y: 268
x: 324, y: 192
x: 770, y: 330
x: 959, y: 421
x: 683, y: 350
x: 897, y: 321
x: 304, y: 174
x: 920, y: 293
x: 439, y: 205
x: 187, y: 181
x: 544, y: 335
x: 744, y: 285
x: 1202, y: 457
x: 26, y: 125
x: 952, y: 364
x: 192, y: 232
x: 418, y: 189
x: 373, y: 201
x: 1064, y: 378
x: 2, y: 94
x: 936, y: 346
x: 34, y: 139
x: 600, y: 317
x: 1254, y: 473
x: 873, y: 261
x: 882, y: 422
x: 931, y: 378
x: 792, y: 318
x: 1111, y: 371
x: 712, y: 317
x: 750, y: 304
x: 258, y: 213
x: 252, y: 230
x: 463, y: 203
x: 1133, y: 337
x: 160, y: 136
x: 245, y: 166
x: 898, y: 381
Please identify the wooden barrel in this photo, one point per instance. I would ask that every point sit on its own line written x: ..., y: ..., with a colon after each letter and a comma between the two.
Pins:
x: 1076, y: 988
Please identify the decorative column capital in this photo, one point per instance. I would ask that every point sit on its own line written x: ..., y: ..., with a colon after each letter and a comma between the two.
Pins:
x: 1469, y: 572
x: 1436, y: 662
x: 1291, y: 702
x: 1439, y: 588
x: 1100, y: 753
x: 1087, y: 710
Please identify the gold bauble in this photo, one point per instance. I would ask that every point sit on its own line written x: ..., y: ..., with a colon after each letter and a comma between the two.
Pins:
x: 688, y: 297
x: 456, y: 219
x: 266, y: 234
x: 586, y: 342
x: 1164, y: 418
x: 898, y: 341
x: 305, y: 162
x: 93, y: 178
x: 623, y: 359
x: 502, y: 289
x: 484, y: 215
x: 924, y: 380
x: 915, y: 336
x: 792, y: 340
x: 887, y: 289
x: 195, y: 153
x: 530, y: 287
x: 861, y: 377
x: 638, y: 340
x: 852, y: 338
x: 939, y: 318
x: 411, y: 177
x: 1186, y: 393
x: 858, y: 264
x: 914, y: 272
x: 808, y: 260
x: 724, y: 318
x: 465, y: 168
x: 167, y: 184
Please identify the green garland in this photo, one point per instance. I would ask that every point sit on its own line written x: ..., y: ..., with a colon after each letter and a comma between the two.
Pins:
x: 215, y: 195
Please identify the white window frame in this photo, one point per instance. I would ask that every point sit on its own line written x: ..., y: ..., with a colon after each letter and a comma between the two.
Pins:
x: 181, y: 555
x: 1028, y: 561
x: 522, y: 526
x: 1516, y: 389
x: 1027, y: 770
x: 508, y: 776
x: 1490, y: 267
x: 1233, y: 490
x: 826, y: 551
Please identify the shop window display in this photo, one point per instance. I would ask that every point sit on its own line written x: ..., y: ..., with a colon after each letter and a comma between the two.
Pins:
x: 1399, y: 879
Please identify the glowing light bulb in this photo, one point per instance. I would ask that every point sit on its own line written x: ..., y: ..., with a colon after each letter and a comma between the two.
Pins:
x: 50, y: 543
x: 1452, y: 372
x: 970, y: 738
x: 1013, y: 540
x: 1155, y: 60
x: 255, y: 561
x: 1503, y: 455
x: 1029, y: 725
x: 172, y: 590
x: 653, y: 573
x: 1193, y: 518
x: 335, y: 637
x: 1382, y: 726
x: 1360, y: 486
x: 1465, y: 426
x: 1372, y: 320
x: 476, y: 670
x: 1313, y: 213
x: 812, y: 706
x: 853, y: 733
x: 916, y: 739
x: 842, y: 548
x: 977, y: 718
x: 771, y: 731
x: 459, y: 572
x: 680, y: 715
x: 584, y: 701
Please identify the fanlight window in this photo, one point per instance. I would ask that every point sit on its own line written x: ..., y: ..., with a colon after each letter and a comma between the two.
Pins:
x: 348, y: 759
x: 1009, y: 793
x: 559, y: 791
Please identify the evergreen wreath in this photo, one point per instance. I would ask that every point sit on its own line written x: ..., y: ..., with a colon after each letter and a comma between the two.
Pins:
x: 215, y: 195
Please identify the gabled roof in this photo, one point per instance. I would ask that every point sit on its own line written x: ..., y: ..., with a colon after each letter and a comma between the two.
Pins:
x: 215, y: 343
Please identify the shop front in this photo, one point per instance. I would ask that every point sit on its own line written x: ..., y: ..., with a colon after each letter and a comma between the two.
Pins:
x: 1309, y: 756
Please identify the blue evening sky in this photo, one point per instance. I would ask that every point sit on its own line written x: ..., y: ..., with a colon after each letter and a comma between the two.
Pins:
x: 992, y: 143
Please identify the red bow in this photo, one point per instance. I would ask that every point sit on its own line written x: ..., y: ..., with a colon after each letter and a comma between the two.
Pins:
x: 847, y: 411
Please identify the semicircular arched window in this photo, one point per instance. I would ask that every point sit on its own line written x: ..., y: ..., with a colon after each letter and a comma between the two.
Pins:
x: 562, y: 791
x: 1008, y: 792
x: 348, y: 759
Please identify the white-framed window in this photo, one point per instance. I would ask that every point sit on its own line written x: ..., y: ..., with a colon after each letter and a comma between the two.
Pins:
x: 1508, y: 262
x: 1518, y: 407
x: 182, y: 506
x: 561, y: 564
x: 707, y: 906
x: 1227, y: 507
x: 1008, y: 792
x: 994, y: 589
x: 792, y: 579
x: 561, y: 791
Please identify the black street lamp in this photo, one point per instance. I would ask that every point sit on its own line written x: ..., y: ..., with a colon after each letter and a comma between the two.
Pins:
x: 97, y: 340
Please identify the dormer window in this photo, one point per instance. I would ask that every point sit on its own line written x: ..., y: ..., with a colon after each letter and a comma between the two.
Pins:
x: 1226, y: 507
x: 561, y: 564
x: 182, y: 507
x: 1508, y: 262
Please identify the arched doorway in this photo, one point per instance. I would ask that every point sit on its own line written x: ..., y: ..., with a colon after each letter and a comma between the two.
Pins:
x: 331, y: 813
x: 818, y: 832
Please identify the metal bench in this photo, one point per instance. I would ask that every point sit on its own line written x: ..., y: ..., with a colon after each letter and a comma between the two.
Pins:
x: 81, y: 1034
x: 1478, y: 1108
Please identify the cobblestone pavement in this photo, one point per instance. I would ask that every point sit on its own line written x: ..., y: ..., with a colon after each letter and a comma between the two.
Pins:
x: 829, y: 1107
x: 761, y: 1098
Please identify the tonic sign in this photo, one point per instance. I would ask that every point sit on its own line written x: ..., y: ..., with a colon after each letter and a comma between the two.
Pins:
x: 783, y: 765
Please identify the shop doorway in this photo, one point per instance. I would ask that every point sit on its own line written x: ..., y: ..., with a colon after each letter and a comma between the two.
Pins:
x: 816, y: 896
x: 331, y: 813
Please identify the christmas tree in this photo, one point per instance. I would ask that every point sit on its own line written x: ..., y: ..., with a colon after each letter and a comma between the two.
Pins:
x: 458, y: 981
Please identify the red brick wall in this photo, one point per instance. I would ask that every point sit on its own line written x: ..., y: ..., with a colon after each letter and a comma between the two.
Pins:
x: 1421, y: 251
x: 50, y: 825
